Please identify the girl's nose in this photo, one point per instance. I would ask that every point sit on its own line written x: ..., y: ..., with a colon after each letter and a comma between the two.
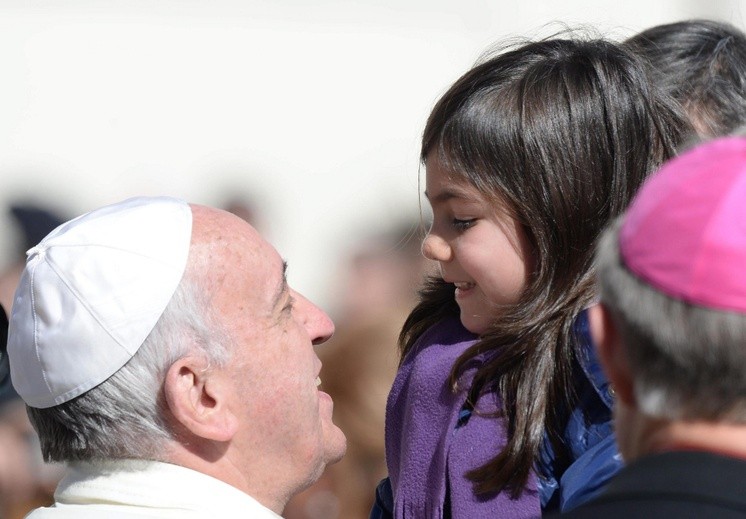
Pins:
x: 436, y: 248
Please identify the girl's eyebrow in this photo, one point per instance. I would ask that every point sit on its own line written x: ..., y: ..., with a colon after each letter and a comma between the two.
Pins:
x: 447, y: 194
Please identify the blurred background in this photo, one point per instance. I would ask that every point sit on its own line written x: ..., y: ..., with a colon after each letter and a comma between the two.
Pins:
x: 303, y: 117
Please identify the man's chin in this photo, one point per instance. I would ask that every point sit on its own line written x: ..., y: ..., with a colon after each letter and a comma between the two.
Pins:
x: 336, y: 445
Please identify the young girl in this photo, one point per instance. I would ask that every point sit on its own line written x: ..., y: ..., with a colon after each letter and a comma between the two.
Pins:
x: 499, y: 408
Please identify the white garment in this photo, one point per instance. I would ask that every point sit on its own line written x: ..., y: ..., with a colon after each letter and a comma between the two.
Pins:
x: 129, y: 489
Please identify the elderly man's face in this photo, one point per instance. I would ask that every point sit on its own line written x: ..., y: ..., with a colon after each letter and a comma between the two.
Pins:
x: 286, y: 421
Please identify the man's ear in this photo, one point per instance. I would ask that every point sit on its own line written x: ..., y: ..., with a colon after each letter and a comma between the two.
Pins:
x: 197, y: 399
x: 612, y: 353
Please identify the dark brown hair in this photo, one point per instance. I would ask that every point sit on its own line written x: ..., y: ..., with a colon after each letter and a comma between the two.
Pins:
x: 563, y: 132
x: 701, y: 64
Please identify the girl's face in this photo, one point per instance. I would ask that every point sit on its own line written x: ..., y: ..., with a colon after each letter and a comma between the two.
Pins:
x: 479, y: 248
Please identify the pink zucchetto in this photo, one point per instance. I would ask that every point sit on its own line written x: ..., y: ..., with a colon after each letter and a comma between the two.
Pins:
x: 685, y: 232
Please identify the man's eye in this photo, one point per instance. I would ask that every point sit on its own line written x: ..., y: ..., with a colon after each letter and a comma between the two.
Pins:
x: 462, y: 225
x: 289, y: 305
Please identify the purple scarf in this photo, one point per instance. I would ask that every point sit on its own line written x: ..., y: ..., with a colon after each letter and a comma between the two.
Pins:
x: 426, y: 452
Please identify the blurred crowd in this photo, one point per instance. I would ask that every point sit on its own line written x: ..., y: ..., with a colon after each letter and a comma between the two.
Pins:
x: 25, y: 480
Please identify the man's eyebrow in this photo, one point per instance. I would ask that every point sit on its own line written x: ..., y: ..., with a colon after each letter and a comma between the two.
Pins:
x: 282, y: 287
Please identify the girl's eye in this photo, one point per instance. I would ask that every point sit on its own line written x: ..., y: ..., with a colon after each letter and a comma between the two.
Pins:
x: 462, y: 225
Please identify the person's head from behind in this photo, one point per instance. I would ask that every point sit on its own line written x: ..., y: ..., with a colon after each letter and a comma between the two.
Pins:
x: 152, y: 329
x: 702, y: 64
x: 528, y: 156
x: 671, y: 328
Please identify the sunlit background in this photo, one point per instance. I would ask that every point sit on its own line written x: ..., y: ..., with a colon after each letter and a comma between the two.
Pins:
x: 309, y: 112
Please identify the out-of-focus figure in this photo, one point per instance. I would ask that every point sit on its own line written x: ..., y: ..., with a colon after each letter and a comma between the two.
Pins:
x: 377, y: 290
x: 35, y: 222
x: 25, y: 481
x: 246, y: 209
x: 702, y: 64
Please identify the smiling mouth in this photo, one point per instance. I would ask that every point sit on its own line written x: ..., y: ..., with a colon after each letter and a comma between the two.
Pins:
x: 463, y: 289
x: 318, y: 381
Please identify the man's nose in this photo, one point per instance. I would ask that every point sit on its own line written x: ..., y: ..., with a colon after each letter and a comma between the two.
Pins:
x: 319, y: 325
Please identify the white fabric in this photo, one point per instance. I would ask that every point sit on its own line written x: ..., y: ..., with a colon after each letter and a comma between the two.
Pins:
x: 131, y: 489
x: 90, y: 294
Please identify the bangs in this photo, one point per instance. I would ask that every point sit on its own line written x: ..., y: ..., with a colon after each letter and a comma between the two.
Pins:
x: 475, y: 141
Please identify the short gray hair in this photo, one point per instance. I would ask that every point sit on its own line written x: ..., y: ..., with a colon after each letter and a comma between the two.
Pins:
x: 687, y: 361
x: 123, y: 416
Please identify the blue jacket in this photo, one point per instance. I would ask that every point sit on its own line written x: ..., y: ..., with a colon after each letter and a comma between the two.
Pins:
x: 588, y: 436
x: 593, y: 456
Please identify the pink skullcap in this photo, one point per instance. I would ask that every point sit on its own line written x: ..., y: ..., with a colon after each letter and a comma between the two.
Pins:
x: 685, y: 231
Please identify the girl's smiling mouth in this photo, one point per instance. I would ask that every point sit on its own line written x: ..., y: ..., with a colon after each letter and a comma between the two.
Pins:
x: 463, y: 288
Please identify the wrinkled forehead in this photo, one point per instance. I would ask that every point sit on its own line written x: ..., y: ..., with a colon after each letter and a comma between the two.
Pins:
x: 232, y: 261
x: 219, y: 236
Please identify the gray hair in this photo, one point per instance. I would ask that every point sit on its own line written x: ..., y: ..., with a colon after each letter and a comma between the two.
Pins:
x: 123, y: 416
x: 688, y: 362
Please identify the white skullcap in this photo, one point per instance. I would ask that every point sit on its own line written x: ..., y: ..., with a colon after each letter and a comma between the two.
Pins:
x: 90, y: 294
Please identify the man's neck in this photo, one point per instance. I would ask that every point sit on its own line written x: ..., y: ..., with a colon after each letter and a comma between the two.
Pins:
x: 202, y: 457
x: 721, y: 438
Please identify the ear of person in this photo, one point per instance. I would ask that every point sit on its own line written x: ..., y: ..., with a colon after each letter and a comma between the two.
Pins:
x: 197, y: 399
x: 611, y: 353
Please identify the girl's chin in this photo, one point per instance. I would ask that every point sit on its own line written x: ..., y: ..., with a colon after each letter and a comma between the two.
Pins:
x: 474, y: 323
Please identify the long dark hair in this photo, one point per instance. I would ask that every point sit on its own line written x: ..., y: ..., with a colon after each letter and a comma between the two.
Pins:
x: 701, y: 64
x: 563, y: 132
